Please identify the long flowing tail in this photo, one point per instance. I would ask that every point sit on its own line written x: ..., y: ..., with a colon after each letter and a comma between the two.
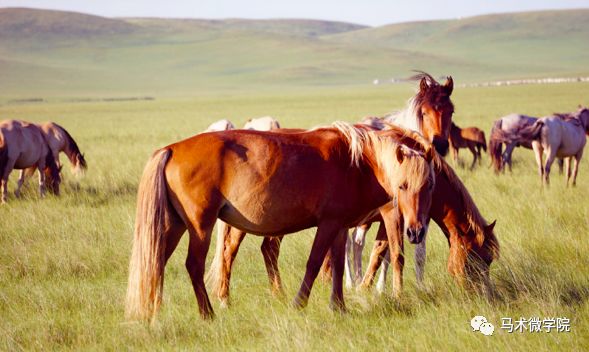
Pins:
x: 3, y: 156
x: 146, y: 269
x: 215, y: 273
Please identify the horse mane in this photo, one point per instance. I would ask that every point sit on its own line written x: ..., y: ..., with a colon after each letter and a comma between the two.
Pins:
x: 361, y: 138
x: 476, y: 221
x: 72, y: 144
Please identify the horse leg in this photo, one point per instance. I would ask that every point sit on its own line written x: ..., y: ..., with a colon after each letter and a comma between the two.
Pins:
x: 358, y: 243
x: 576, y: 166
x: 348, y: 263
x: 420, y: 256
x: 382, y: 278
x: 393, y: 222
x: 4, y: 179
x: 561, y: 166
x: 270, y: 250
x: 21, y: 180
x: 567, y: 166
x: 326, y: 234
x: 549, y: 160
x: 200, y: 227
x: 41, y: 168
x: 381, y: 245
x: 474, y: 155
x: 232, y: 238
x: 338, y: 249
x: 538, y: 150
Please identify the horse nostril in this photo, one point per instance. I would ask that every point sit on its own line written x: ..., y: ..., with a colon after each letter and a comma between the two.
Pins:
x: 421, y: 233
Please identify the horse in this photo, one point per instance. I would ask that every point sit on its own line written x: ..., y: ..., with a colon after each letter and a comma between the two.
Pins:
x: 508, y: 130
x: 293, y: 180
x: 232, y: 236
x: 266, y: 123
x: 221, y: 125
x: 562, y: 136
x: 473, y: 244
x: 23, y: 145
x: 469, y: 137
x: 59, y: 140
x: 430, y: 111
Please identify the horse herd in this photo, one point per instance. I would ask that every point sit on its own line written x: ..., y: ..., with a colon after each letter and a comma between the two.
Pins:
x: 270, y: 181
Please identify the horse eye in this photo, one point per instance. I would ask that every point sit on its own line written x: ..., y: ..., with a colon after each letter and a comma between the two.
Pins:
x: 430, y: 186
x: 403, y: 187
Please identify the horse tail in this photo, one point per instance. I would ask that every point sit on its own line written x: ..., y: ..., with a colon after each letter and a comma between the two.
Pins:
x: 532, y: 132
x: 146, y: 268
x: 496, y: 146
x: 77, y: 159
x: 214, y: 275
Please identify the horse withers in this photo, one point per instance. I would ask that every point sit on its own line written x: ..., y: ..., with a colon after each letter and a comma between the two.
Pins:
x: 296, y: 181
x: 23, y: 145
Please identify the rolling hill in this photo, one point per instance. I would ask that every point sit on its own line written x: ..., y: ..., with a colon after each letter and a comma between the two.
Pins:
x: 55, y: 53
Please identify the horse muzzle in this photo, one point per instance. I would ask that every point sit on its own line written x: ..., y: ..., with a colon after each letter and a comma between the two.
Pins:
x: 441, y: 145
x: 415, y: 234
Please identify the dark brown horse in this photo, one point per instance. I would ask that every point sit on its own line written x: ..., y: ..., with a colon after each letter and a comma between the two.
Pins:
x: 269, y: 183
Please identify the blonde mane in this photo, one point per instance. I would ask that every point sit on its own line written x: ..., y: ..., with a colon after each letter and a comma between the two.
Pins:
x: 413, y: 172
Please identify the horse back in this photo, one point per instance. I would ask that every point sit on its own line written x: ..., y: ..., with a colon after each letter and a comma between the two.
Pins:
x: 267, y: 182
x: 24, y: 141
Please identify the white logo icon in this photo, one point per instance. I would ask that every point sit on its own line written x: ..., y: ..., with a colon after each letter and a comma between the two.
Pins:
x: 479, y: 323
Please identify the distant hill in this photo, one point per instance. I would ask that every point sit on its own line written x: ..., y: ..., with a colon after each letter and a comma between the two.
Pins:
x: 63, y: 53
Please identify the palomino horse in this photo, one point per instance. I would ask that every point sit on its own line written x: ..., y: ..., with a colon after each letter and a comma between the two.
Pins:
x: 268, y: 183
x: 562, y: 136
x: 22, y: 145
x: 59, y: 140
x: 469, y: 137
x: 473, y: 245
x: 508, y: 130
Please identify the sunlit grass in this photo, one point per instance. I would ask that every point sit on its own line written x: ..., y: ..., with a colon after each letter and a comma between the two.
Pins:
x: 63, y: 261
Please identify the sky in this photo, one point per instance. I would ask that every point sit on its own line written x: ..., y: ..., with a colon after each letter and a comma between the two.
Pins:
x: 368, y: 12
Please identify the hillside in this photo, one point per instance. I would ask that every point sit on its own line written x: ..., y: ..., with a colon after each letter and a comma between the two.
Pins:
x: 70, y: 54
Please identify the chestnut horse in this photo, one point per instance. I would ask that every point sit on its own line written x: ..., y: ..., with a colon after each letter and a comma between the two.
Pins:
x: 428, y: 112
x: 59, y: 140
x: 473, y: 245
x: 292, y: 181
x: 469, y: 137
x: 228, y: 236
x: 23, y: 145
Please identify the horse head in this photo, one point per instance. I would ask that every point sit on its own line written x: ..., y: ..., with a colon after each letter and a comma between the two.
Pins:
x: 583, y: 116
x: 434, y: 110
x: 415, y: 189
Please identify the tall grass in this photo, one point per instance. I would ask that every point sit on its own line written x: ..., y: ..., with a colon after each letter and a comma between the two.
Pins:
x: 63, y: 261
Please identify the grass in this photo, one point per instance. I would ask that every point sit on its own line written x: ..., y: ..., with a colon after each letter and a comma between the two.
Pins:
x: 63, y: 264
x: 56, y: 54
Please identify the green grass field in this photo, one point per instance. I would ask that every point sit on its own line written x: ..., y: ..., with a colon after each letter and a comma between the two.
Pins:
x: 63, y: 261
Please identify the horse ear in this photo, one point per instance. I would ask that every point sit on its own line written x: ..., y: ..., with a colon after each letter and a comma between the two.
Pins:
x: 449, y: 85
x: 491, y: 226
x: 423, y: 86
x: 400, y: 154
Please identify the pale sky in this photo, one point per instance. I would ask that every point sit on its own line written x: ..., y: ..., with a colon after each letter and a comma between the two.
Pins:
x: 369, y: 12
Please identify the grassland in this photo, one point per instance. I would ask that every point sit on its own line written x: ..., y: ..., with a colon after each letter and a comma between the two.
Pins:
x: 63, y: 263
x: 53, y: 54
